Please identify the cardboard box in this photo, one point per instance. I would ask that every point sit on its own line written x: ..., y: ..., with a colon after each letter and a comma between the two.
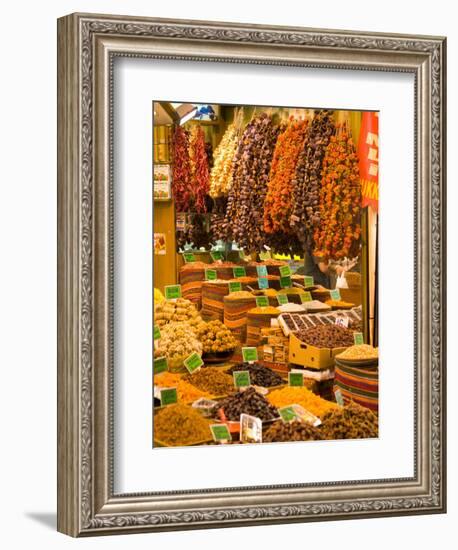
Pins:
x: 309, y: 356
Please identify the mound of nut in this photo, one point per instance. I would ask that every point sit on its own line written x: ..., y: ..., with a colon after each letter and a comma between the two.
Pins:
x: 327, y: 336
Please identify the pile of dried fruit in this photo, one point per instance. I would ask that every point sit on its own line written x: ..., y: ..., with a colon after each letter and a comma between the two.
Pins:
x: 306, y: 184
x: 215, y: 337
x: 278, y: 202
x: 177, y: 342
x: 296, y: 395
x: 292, y: 431
x: 361, y: 351
x: 349, y: 422
x: 178, y: 310
x: 245, y: 205
x: 247, y: 402
x: 211, y: 380
x: 327, y: 336
x: 339, y: 231
x: 259, y: 375
x: 339, y: 304
x: 186, y: 391
x: 178, y: 424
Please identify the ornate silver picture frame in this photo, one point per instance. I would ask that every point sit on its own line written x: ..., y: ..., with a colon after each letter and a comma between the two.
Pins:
x: 87, y: 46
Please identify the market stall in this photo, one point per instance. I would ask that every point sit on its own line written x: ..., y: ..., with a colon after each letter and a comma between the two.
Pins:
x: 265, y: 255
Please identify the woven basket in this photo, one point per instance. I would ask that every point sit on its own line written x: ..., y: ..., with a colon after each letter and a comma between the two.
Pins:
x: 358, y: 383
x: 235, y: 315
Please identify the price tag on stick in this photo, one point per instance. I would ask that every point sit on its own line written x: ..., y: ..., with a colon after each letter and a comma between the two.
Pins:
x: 308, y: 280
x: 296, y: 378
x: 262, y: 301
x: 220, y: 433
x: 339, y: 397
x: 305, y: 297
x: 189, y: 257
x: 282, y: 299
x: 157, y: 332
x: 261, y: 270
x: 285, y: 282
x: 169, y: 396
x: 235, y: 287
x: 241, y: 378
x: 216, y: 255
x: 250, y: 354
x: 263, y: 282
x: 287, y: 414
x: 358, y: 338
x: 335, y: 294
x: 211, y: 275
x: 285, y: 271
x: 193, y: 363
x: 160, y: 365
x: 172, y: 292
x: 239, y: 271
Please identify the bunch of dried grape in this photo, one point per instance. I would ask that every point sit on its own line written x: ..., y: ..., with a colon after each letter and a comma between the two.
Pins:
x: 306, y: 184
x: 252, y: 161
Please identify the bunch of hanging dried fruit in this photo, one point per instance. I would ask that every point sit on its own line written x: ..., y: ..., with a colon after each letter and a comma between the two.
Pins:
x: 278, y: 202
x: 339, y: 232
x: 200, y: 178
x: 181, y: 180
x: 306, y: 184
x: 252, y: 161
x: 221, y: 174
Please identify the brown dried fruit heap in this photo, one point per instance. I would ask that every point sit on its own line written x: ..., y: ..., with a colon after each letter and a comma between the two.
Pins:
x: 327, y: 336
x: 293, y: 431
x: 349, y: 422
x: 178, y: 424
x: 211, y: 380
x: 247, y: 402
x: 259, y: 375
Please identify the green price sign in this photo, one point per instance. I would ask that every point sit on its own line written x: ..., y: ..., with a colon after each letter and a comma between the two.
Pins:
x: 265, y: 255
x: 169, y: 396
x: 235, y: 287
x: 216, y: 255
x: 306, y: 297
x: 249, y: 354
x: 282, y: 299
x: 358, y: 338
x: 160, y: 365
x: 193, y: 362
x: 157, y: 332
x: 285, y: 271
x: 339, y: 397
x: 220, y: 432
x: 211, y: 275
x: 296, y: 379
x: 285, y: 282
x: 335, y: 294
x: 241, y: 378
x: 239, y: 272
x: 172, y: 292
x: 263, y: 282
x: 189, y: 257
x: 287, y: 414
x: 241, y: 254
x: 262, y: 301
x: 261, y: 270
x: 308, y: 280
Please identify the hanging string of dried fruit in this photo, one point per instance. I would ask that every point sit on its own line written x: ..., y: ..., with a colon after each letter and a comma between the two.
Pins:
x: 244, y: 214
x: 278, y: 202
x: 305, y: 212
x: 181, y: 180
x: 339, y: 232
x: 221, y: 173
x: 200, y: 178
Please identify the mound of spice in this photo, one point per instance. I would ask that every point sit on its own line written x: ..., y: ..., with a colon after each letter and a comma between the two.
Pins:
x: 297, y: 395
x: 292, y: 431
x: 211, y: 380
x: 327, y: 336
x: 239, y: 294
x: 178, y: 425
x: 361, y: 351
x: 259, y: 375
x: 269, y: 310
x: 247, y: 402
x: 339, y: 304
x: 186, y: 392
x: 349, y: 422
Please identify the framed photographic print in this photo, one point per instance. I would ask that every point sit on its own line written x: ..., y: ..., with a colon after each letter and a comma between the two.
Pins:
x: 251, y: 271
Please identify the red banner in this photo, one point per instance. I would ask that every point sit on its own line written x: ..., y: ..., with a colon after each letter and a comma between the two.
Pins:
x: 368, y: 159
